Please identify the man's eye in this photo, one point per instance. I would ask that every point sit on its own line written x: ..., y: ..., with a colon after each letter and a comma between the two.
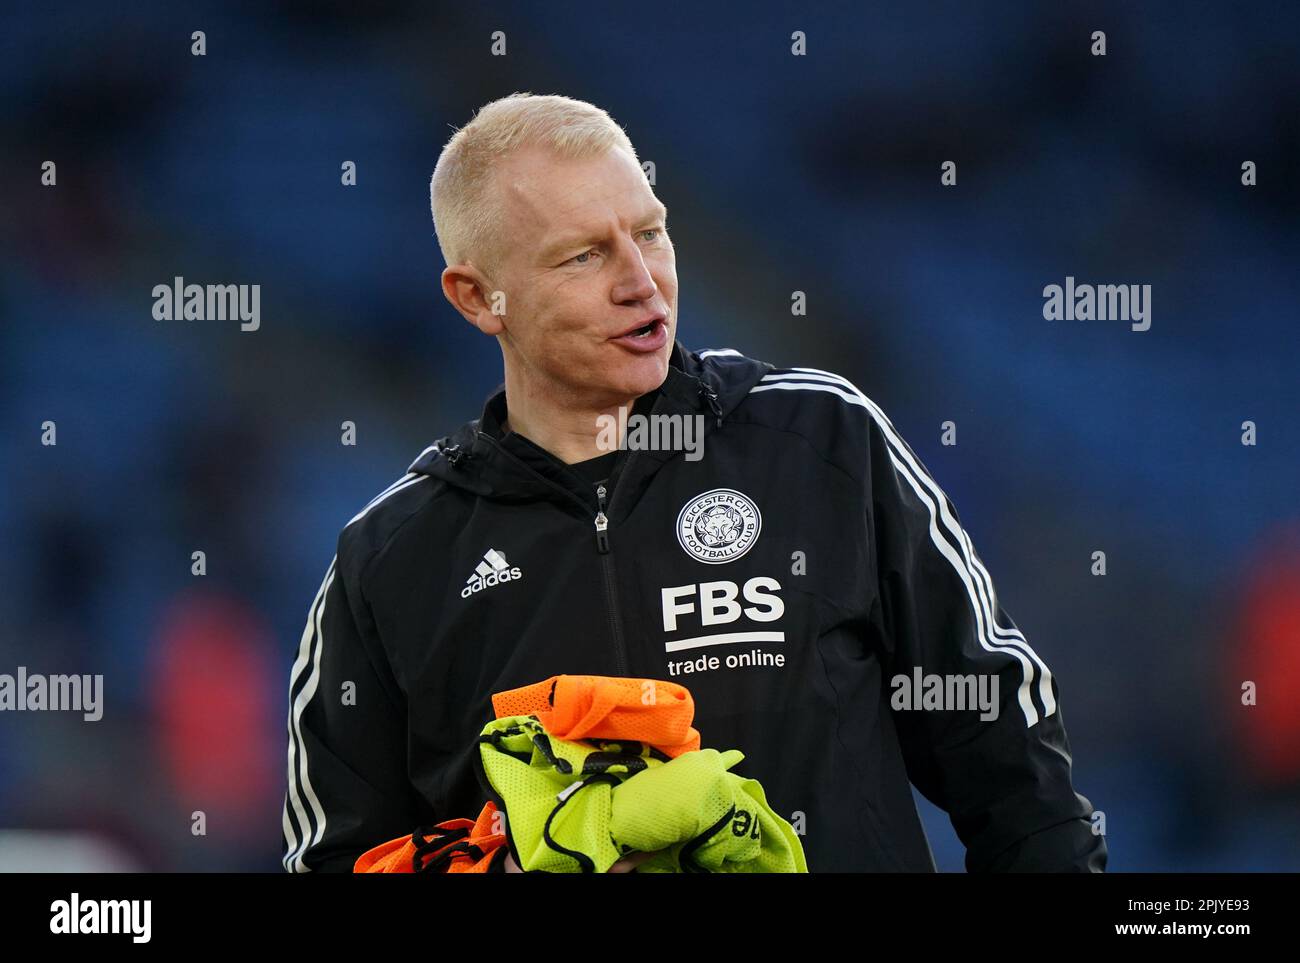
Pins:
x: 580, y: 258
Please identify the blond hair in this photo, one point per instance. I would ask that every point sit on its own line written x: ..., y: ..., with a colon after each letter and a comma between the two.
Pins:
x: 467, y: 218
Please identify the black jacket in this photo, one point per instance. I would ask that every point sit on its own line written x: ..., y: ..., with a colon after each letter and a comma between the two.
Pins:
x: 787, y: 578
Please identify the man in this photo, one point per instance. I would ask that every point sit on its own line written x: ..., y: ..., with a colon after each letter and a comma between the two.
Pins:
x: 797, y: 577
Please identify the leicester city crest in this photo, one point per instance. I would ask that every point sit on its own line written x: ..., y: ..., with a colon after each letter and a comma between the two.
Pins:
x: 718, y: 526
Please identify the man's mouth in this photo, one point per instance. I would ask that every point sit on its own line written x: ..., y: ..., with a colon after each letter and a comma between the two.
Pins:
x: 647, y: 337
x: 644, y: 330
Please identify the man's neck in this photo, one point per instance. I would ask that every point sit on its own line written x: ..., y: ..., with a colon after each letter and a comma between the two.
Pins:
x: 569, y: 428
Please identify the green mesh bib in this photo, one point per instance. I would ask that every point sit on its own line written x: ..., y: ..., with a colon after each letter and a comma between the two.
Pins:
x: 580, y: 806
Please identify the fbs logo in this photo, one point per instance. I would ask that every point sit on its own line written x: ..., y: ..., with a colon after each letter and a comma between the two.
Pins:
x: 493, y: 570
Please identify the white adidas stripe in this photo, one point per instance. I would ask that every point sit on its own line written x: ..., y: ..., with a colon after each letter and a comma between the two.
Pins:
x: 1005, y: 635
x: 297, y: 761
x: 299, y: 782
x: 406, y: 481
x: 895, y: 438
x: 805, y: 386
x: 970, y: 570
x: 963, y: 572
x: 713, y: 352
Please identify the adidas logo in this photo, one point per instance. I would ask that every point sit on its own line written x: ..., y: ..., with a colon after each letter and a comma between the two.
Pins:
x: 493, y: 570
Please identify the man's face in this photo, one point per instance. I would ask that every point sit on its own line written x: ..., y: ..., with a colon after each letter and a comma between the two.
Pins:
x: 589, y: 275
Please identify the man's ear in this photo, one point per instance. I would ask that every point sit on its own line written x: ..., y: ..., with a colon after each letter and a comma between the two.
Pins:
x: 472, y: 294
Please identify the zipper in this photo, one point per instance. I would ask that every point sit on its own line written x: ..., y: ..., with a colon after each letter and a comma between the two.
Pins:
x: 607, y: 561
x: 611, y: 585
x: 602, y: 522
x: 602, y: 548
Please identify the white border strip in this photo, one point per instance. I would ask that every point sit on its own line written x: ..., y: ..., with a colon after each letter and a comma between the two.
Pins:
x: 724, y: 639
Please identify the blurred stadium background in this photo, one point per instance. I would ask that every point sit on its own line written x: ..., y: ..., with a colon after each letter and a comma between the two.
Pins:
x: 817, y: 173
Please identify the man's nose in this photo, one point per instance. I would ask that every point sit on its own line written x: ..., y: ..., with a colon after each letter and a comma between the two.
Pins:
x: 636, y: 283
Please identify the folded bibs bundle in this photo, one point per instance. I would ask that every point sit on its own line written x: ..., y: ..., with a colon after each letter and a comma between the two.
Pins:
x: 588, y: 769
x: 581, y: 806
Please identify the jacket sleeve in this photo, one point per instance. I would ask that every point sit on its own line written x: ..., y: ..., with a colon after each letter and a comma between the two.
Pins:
x: 1003, y: 777
x: 347, y: 788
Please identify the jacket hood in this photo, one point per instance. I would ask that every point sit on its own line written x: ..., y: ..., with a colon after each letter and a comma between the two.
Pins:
x: 479, y: 457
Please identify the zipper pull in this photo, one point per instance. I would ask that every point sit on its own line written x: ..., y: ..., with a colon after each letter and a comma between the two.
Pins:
x: 602, y: 523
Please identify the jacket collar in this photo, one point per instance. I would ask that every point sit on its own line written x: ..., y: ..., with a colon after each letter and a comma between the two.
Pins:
x: 482, y: 459
x: 686, y: 385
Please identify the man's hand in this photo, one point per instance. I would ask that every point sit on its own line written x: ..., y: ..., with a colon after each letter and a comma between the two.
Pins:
x: 624, y: 865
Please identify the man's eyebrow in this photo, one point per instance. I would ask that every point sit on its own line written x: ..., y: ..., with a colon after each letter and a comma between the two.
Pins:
x: 659, y: 213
